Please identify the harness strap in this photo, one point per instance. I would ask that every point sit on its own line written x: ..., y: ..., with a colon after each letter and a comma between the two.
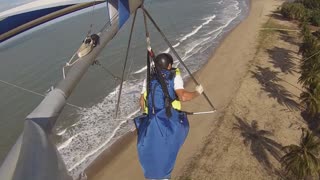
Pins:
x: 153, y: 95
x: 148, y: 41
x: 157, y: 71
x: 148, y: 79
x: 167, y: 98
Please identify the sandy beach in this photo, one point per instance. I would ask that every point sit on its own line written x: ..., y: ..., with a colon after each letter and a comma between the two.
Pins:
x: 234, y: 80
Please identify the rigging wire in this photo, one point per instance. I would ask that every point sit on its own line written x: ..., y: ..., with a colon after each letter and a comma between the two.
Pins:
x: 130, y: 70
x: 116, y: 78
x: 21, y: 88
x: 92, y: 18
x: 33, y: 92
x: 125, y: 63
x: 108, y: 23
x: 129, y: 74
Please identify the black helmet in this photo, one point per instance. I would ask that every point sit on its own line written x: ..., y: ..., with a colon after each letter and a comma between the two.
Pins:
x: 163, y: 60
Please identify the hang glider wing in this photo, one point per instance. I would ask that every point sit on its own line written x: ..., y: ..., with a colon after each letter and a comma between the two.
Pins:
x: 22, y: 18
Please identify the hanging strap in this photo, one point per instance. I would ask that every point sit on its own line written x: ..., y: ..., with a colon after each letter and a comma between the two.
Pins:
x: 148, y: 76
x: 157, y: 71
x: 148, y: 41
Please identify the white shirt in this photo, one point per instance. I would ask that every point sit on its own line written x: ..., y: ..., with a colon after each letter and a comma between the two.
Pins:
x: 178, y: 83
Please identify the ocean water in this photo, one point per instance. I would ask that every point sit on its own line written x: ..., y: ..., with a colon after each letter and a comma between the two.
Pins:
x: 85, y: 129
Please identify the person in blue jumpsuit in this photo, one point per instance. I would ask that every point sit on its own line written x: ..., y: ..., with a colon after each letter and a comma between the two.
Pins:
x: 163, y: 128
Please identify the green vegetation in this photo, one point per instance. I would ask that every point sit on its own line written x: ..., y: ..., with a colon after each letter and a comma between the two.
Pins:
x: 302, y: 10
x: 307, y: 12
x: 309, y: 97
x: 315, y: 18
x: 311, y: 4
x: 294, y: 11
x: 310, y: 72
x: 302, y: 161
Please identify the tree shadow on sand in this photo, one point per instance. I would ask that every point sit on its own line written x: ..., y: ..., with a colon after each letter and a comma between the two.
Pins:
x: 286, y: 37
x: 269, y: 81
x: 282, y: 59
x: 260, y: 144
x: 284, y: 34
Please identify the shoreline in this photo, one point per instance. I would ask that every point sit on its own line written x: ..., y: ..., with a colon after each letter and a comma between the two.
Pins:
x: 207, y: 54
x: 122, y: 157
x: 109, y: 154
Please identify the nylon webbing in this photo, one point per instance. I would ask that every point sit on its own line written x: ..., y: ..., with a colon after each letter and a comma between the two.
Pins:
x: 148, y: 41
x: 158, y: 73
x: 148, y: 76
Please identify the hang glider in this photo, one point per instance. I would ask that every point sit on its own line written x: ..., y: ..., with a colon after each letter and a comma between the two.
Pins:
x: 34, y: 156
x: 22, y: 18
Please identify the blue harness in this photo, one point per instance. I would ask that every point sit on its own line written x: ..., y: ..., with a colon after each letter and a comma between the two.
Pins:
x: 160, y: 136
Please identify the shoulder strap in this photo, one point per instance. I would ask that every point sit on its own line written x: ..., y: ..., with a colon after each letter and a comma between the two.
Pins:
x: 173, y: 72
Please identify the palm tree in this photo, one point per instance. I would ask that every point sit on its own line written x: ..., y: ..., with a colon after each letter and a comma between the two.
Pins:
x: 311, y: 4
x: 294, y: 11
x: 310, y: 97
x: 310, y: 43
x: 310, y: 73
x: 302, y: 161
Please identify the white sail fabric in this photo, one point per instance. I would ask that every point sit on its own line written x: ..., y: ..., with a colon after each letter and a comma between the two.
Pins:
x: 25, y: 17
x: 22, y: 18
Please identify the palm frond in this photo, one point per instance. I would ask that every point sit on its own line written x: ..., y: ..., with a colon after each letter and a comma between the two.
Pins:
x: 302, y: 161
